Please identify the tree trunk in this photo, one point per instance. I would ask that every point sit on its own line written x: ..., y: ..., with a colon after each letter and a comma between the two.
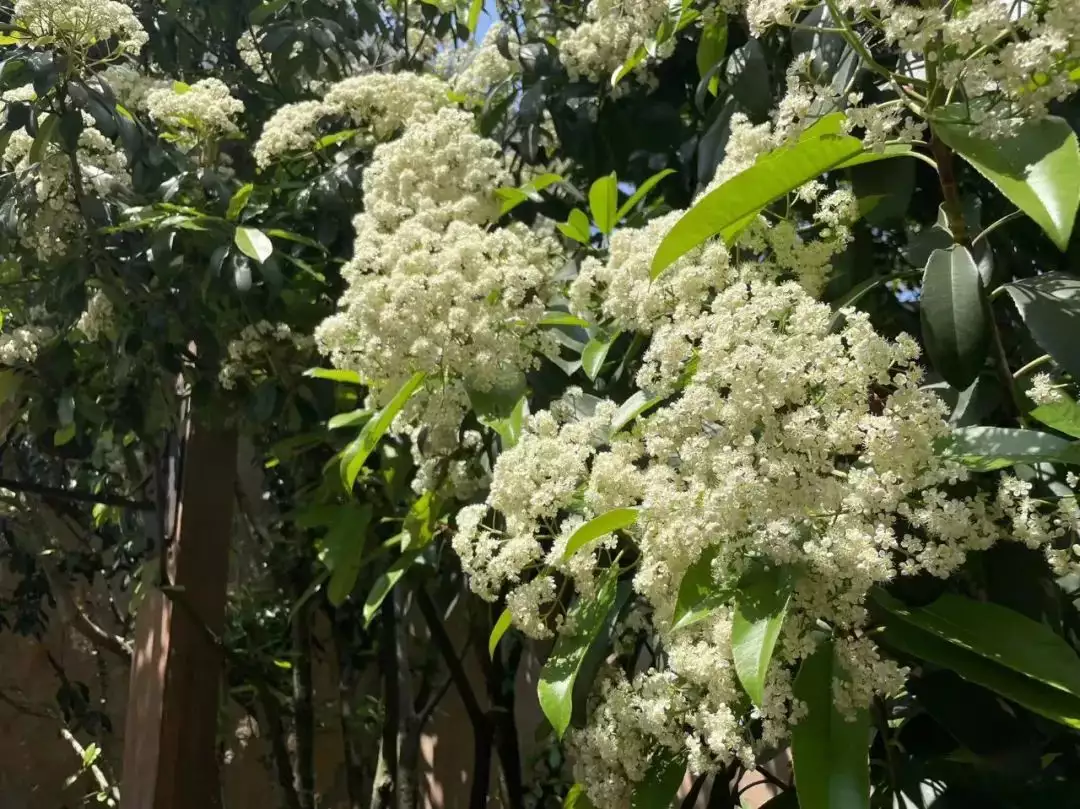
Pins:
x: 170, y: 754
x: 303, y: 709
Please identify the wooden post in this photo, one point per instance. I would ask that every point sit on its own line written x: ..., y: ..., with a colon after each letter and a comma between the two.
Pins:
x: 170, y: 740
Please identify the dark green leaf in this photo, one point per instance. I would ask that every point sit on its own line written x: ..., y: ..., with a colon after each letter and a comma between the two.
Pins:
x: 830, y: 754
x: 1050, y: 307
x: 760, y: 608
x: 344, y: 546
x: 1062, y: 415
x: 661, y: 782
x: 954, y: 316
x: 988, y: 448
x: 1037, y: 167
x: 238, y: 201
x: 711, y: 49
x: 47, y: 127
x: 995, y: 647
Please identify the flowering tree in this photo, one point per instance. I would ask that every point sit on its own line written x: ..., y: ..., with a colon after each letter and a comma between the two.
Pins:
x: 726, y: 345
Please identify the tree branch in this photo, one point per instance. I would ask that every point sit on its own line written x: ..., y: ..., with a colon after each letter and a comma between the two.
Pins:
x: 76, y: 495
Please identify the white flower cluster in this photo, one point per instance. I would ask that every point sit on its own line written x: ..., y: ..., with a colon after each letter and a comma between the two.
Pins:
x: 206, y: 107
x: 782, y: 444
x: 20, y: 346
x: 432, y: 286
x: 99, y: 319
x: 56, y: 217
x: 260, y: 349
x: 614, y: 30
x: 82, y: 23
x: 483, y: 69
x: 1021, y: 53
x: 378, y: 103
x: 130, y: 86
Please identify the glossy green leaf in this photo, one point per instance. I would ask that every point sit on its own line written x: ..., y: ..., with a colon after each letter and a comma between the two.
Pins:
x: 1049, y: 305
x: 761, y: 604
x: 699, y: 593
x: 475, y: 7
x: 640, y: 192
x: 497, y: 632
x: 239, y: 201
x: 588, y: 618
x: 993, y: 646
x: 1062, y: 415
x: 354, y: 418
x: 335, y: 375
x: 871, y: 156
x: 1037, y: 167
x: 384, y: 585
x: 606, y: 523
x: 253, y: 243
x: 344, y: 545
x: 604, y: 201
x: 953, y: 314
x: 830, y: 755
x: 633, y: 407
x: 711, y: 49
x: 988, y: 448
x: 512, y: 197
x: 661, y: 782
x: 509, y: 427
x: 595, y: 354
x: 576, y: 226
x: 354, y: 456
x: 562, y: 319
x: 635, y: 59
x: 47, y: 127
x: 728, y: 209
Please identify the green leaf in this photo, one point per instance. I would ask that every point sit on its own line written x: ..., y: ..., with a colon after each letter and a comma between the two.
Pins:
x: 498, y: 402
x: 475, y: 7
x: 576, y: 226
x: 344, y: 545
x: 1037, y: 167
x: 47, y: 127
x: 1049, y: 305
x: 871, y: 156
x: 562, y: 319
x: 640, y: 192
x: 421, y: 522
x: 264, y: 11
x: 632, y: 61
x: 727, y: 209
x: 953, y: 316
x: 761, y: 604
x: 335, y: 375
x: 603, y: 202
x: 353, y: 418
x: 711, y: 49
x: 1062, y: 415
x: 988, y: 448
x: 595, y: 353
x: 661, y: 782
x: 508, y: 428
x: 500, y: 628
x: 64, y: 435
x: 238, y: 201
x: 606, y: 523
x: 384, y: 585
x: 632, y: 408
x: 253, y: 243
x: 830, y: 755
x: 993, y: 646
x: 587, y: 619
x: 699, y: 593
x: 512, y: 197
x: 354, y: 456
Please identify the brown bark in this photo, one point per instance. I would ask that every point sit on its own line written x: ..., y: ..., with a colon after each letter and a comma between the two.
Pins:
x: 170, y: 756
